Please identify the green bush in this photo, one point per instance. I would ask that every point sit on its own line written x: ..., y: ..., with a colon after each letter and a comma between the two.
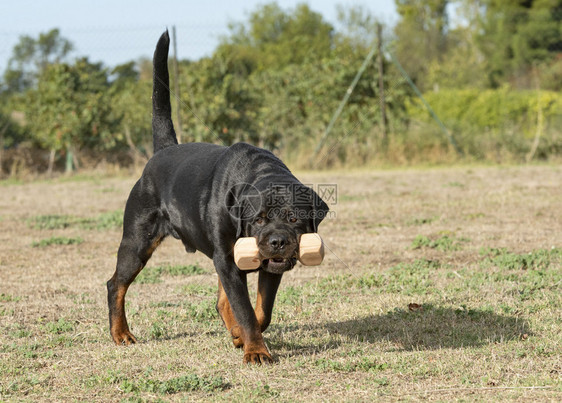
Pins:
x: 493, y: 123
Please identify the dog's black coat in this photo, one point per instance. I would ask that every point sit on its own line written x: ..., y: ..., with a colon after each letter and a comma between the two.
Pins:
x: 208, y: 196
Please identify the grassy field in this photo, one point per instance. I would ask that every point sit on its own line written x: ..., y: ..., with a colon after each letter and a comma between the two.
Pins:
x: 439, y: 284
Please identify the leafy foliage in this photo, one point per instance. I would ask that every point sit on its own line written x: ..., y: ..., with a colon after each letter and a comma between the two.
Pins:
x: 517, y: 34
x: 420, y: 35
x: 277, y: 78
x: 70, y: 107
x: 496, y: 119
x: 32, y: 56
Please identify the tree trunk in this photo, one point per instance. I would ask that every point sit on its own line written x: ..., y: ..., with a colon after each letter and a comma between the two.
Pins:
x: 51, y: 162
x: 1, y: 153
x: 68, y: 167
x: 137, y: 155
x: 2, y: 146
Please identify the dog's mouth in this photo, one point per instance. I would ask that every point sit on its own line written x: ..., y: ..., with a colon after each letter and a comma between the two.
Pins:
x: 278, y: 265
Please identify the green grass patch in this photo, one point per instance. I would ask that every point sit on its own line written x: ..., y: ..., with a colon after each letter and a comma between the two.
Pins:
x: 149, y: 276
x: 58, y: 327
x: 8, y: 298
x: 199, y: 290
x: 444, y: 244
x: 158, y: 330
x: 365, y: 364
x: 188, y: 270
x: 406, y: 278
x: 109, y: 220
x: 290, y: 295
x: 185, y: 383
x: 17, y: 331
x: 261, y: 393
x: 201, y: 311
x: 421, y: 221
x: 57, y: 240
x: 538, y: 259
x: 53, y: 221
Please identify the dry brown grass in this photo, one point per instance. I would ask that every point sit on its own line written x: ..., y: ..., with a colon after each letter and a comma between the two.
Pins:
x: 483, y: 328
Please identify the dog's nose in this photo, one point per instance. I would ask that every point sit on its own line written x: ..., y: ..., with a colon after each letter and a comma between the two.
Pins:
x: 277, y: 241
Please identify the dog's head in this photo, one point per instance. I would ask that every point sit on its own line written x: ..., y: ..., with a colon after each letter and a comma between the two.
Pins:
x: 277, y: 215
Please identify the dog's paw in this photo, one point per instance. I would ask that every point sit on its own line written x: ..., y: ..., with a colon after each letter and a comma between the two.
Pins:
x: 123, y: 338
x: 258, y: 357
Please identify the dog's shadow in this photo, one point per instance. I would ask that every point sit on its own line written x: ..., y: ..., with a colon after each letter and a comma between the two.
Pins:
x: 426, y: 327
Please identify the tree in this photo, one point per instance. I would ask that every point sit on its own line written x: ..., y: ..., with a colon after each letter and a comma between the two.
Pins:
x: 463, y: 64
x: 421, y: 36
x: 69, y: 108
x: 517, y: 34
x: 31, y: 56
x: 276, y: 38
x: 221, y: 105
x: 131, y: 105
x: 277, y: 80
x: 359, y: 28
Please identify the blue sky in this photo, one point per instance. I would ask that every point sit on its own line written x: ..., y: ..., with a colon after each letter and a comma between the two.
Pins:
x: 118, y: 31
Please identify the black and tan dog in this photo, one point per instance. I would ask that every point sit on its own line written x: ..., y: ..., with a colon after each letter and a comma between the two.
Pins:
x: 208, y: 196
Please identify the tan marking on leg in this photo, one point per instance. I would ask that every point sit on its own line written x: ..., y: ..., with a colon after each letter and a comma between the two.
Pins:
x: 153, y: 247
x: 260, y: 315
x: 228, y: 318
x: 119, y: 328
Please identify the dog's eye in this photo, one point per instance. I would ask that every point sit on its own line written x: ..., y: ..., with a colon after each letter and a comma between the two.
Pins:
x: 292, y: 218
x: 260, y: 220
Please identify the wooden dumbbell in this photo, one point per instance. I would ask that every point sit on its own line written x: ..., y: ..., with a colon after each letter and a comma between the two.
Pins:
x: 311, y: 249
x: 247, y: 254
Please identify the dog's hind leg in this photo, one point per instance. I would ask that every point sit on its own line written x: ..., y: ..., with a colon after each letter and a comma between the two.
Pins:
x: 141, y: 236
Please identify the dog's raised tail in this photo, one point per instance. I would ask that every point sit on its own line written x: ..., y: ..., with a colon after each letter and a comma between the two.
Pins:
x: 163, y: 133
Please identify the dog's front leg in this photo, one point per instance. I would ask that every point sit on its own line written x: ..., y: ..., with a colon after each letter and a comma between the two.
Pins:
x: 234, y: 286
x: 268, y: 283
x: 225, y: 311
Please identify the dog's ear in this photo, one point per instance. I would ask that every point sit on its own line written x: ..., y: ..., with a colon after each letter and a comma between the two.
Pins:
x: 236, y: 212
x: 238, y: 224
x: 243, y: 203
x: 316, y: 208
x: 320, y: 211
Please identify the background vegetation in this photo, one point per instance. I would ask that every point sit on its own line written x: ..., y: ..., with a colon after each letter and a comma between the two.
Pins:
x: 491, y: 70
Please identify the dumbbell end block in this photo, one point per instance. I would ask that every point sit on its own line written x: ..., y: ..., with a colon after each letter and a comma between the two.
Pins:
x: 311, y: 249
x: 247, y: 254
